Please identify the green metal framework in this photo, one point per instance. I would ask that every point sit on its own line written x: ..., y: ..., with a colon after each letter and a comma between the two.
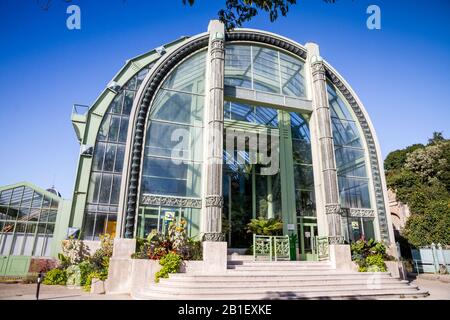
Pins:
x: 88, y: 124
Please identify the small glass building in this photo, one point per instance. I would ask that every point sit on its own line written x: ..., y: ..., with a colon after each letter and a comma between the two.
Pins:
x: 29, y: 221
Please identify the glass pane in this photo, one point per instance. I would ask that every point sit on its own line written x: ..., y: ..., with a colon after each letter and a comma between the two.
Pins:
x: 292, y: 82
x: 89, y: 226
x: 119, y: 159
x: 109, y: 157
x: 5, y: 196
x: 99, y: 153
x: 131, y: 84
x: 16, y: 196
x: 189, y: 75
x: 94, y: 188
x: 345, y: 133
x: 104, y: 128
x: 105, y: 188
x: 346, y: 157
x: 114, y: 128
x: 140, y: 77
x: 128, y: 102
x: 355, y: 171
x: 303, y: 177
x: 265, y: 70
x: 100, y: 224
x: 176, y: 107
x: 123, y: 130
x: 305, y: 203
x: 159, y: 140
x: 116, y: 104
x: 354, y: 192
x: 253, y: 114
x: 238, y: 66
x: 157, y: 167
x: 37, y: 200
x: 115, y: 189
x: 52, y: 216
x: 369, y: 231
x: 337, y: 107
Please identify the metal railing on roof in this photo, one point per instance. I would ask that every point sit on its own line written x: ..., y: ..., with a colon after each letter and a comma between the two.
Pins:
x: 80, y: 109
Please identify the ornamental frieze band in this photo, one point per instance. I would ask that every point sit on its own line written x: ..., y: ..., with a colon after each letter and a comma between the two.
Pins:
x: 171, y: 201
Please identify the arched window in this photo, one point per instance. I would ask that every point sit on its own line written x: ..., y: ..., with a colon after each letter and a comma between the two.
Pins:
x: 172, y: 163
x: 350, y: 154
x: 351, y: 157
x: 107, y: 162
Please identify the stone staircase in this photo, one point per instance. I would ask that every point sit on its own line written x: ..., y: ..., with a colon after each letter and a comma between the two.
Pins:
x: 251, y: 280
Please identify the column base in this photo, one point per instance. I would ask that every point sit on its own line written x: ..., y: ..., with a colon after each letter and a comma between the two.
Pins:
x: 214, y: 257
x: 120, y: 266
x: 341, y: 257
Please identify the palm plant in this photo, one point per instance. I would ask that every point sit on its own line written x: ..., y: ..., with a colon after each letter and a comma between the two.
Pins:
x: 265, y: 227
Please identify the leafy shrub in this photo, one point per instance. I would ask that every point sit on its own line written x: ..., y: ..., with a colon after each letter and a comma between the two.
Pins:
x: 369, y: 255
x: 195, y: 250
x: 375, y: 263
x: 157, y: 245
x: 170, y: 263
x: 73, y: 276
x: 264, y: 226
x: 55, y: 277
x: 75, y: 251
x: 85, y: 269
x: 94, y: 275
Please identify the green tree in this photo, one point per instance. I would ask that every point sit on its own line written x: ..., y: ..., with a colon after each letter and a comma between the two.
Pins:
x: 396, y: 159
x: 236, y: 12
x: 437, y: 137
x: 420, y: 177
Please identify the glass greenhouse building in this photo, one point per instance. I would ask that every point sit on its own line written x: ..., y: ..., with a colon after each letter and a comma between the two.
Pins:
x: 223, y: 127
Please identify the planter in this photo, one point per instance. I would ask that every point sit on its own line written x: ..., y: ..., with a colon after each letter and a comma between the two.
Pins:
x: 97, y: 286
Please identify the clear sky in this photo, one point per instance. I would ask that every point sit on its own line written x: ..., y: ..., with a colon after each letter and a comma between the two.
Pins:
x: 401, y: 72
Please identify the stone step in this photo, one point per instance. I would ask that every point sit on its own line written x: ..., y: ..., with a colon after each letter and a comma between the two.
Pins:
x: 278, y: 283
x: 268, y: 276
x: 147, y: 294
x: 253, y: 289
x: 279, y: 263
x: 276, y: 268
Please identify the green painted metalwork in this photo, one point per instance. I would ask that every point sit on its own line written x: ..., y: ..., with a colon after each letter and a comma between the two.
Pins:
x: 93, y: 118
x: 271, y: 247
x: 262, y: 246
x: 14, y: 265
x: 281, y: 247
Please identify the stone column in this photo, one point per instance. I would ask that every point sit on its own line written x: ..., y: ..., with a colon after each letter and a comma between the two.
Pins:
x: 212, y: 225
x: 325, y: 145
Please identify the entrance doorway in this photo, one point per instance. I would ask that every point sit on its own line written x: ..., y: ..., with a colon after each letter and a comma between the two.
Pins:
x: 307, y: 232
x: 248, y: 195
x: 251, y: 191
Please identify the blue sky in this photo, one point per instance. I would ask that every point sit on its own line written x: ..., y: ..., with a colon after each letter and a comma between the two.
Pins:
x: 401, y: 72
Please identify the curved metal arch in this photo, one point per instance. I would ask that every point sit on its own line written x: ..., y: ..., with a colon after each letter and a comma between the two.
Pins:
x: 373, y: 149
x: 143, y: 105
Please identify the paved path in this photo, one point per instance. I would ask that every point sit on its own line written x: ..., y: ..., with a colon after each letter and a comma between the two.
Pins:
x: 438, y: 291
x: 19, y: 291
